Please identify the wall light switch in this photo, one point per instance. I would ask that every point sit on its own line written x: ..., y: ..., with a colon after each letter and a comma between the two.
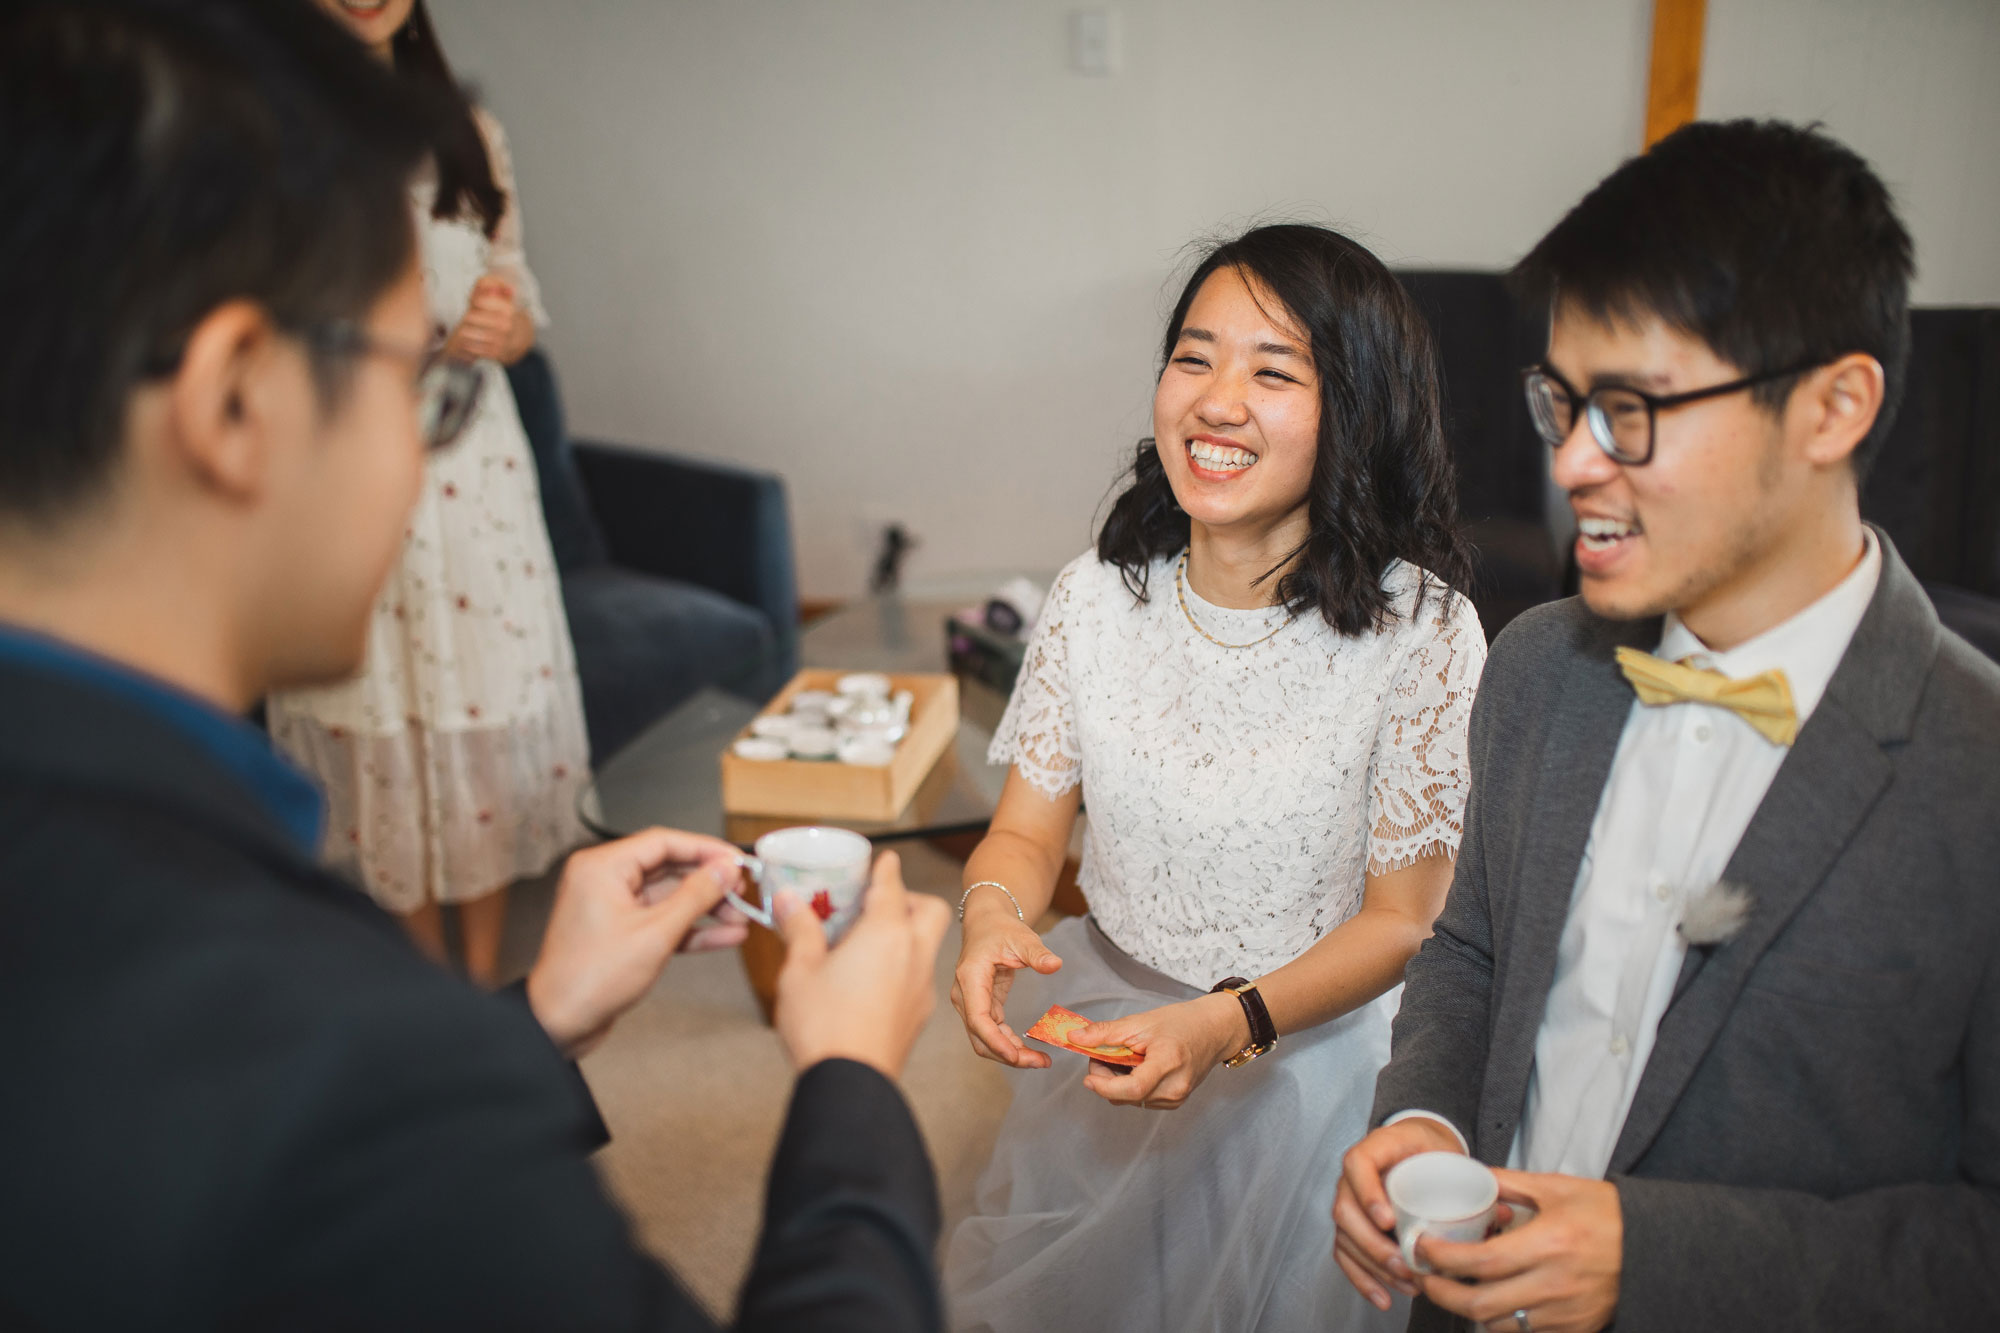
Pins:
x: 1093, y: 41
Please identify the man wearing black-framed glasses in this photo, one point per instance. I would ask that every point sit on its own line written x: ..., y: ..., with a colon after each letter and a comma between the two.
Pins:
x: 1623, y: 420
x: 447, y: 390
x: 1717, y: 985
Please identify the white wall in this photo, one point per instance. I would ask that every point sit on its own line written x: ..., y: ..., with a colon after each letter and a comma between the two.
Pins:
x: 896, y: 251
x: 1911, y: 85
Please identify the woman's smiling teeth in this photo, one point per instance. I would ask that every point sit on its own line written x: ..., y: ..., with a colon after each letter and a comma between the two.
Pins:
x: 1601, y: 534
x: 1219, y: 457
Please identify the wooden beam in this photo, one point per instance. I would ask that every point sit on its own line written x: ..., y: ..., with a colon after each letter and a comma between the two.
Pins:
x: 1674, y: 86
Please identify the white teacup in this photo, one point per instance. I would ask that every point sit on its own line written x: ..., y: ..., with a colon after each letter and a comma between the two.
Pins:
x: 1443, y: 1194
x: 827, y: 868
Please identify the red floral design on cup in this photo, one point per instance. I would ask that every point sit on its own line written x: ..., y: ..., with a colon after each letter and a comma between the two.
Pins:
x: 822, y: 905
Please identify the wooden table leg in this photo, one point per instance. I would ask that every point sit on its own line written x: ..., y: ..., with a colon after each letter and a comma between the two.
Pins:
x: 763, y: 955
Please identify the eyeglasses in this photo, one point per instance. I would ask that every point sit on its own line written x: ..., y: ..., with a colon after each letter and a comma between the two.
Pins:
x: 1621, y: 419
x: 448, y: 390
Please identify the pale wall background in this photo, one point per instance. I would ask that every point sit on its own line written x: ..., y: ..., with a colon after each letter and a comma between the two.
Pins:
x: 897, y: 251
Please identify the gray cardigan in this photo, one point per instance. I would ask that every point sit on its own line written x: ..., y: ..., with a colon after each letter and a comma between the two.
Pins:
x: 1815, y: 1142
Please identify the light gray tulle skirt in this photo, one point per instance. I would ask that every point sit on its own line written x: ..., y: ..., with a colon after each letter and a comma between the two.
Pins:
x: 1215, y: 1218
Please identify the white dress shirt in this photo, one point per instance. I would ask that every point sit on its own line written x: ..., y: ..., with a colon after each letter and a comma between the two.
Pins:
x: 1683, y: 785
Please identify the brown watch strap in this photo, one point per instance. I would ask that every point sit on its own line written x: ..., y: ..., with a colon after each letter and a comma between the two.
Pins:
x: 1263, y: 1032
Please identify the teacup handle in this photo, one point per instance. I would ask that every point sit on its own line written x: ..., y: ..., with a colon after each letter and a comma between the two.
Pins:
x: 1408, y: 1244
x: 761, y: 915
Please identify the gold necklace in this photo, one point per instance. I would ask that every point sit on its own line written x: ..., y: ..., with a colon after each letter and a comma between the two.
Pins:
x: 1180, y: 592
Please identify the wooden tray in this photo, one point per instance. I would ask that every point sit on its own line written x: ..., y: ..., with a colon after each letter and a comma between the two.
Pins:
x: 828, y: 789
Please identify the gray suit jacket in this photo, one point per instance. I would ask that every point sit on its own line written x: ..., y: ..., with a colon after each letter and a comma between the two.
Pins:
x: 1815, y: 1142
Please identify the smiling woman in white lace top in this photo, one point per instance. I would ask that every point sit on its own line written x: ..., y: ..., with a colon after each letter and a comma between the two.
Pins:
x: 1237, y: 800
x: 1260, y: 683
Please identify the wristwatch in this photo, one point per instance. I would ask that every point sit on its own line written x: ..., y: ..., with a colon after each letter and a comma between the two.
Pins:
x: 1263, y: 1032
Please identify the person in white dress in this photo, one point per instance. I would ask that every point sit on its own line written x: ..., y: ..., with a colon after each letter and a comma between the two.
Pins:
x: 1259, y: 684
x: 452, y: 762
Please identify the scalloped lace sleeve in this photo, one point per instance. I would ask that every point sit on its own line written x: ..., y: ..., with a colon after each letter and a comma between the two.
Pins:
x: 508, y: 258
x: 1037, y: 733
x: 1420, y: 771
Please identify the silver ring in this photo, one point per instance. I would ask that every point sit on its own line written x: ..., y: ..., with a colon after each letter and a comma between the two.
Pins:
x: 1521, y: 1322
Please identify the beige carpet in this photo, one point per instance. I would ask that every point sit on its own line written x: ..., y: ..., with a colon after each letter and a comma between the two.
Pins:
x: 694, y: 1088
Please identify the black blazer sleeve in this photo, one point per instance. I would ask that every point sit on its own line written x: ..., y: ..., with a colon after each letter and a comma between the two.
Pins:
x: 592, y: 1132
x: 441, y: 1183
x: 851, y: 1218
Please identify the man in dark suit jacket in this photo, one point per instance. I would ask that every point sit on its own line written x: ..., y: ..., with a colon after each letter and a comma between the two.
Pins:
x: 235, y: 1095
x: 1719, y: 974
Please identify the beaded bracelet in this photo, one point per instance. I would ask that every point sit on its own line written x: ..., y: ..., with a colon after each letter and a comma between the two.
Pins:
x: 991, y: 884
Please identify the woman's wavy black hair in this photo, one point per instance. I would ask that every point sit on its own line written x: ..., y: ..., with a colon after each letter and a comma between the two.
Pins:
x: 1382, y: 483
x: 464, y: 171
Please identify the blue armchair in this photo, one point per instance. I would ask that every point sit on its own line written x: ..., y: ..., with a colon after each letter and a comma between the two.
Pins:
x: 1936, y: 485
x: 1483, y: 340
x: 676, y: 573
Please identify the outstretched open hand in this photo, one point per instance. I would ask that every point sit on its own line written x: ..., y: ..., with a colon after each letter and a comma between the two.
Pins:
x: 995, y: 947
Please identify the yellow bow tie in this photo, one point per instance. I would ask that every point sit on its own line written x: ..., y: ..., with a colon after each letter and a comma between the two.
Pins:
x: 1763, y: 700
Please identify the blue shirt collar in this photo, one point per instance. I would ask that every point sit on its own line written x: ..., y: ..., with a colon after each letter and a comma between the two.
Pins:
x: 284, y: 791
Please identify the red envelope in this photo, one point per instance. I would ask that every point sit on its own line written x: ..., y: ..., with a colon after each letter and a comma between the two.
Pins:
x: 1054, y: 1027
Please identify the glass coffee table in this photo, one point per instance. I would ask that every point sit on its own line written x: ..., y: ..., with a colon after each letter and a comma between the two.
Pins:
x: 671, y: 773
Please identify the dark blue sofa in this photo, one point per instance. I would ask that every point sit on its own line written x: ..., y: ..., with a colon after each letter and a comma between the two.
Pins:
x: 676, y: 572
x: 1935, y: 487
x: 1483, y: 341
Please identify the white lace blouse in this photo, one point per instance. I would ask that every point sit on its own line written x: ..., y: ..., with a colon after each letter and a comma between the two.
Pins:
x: 1236, y: 796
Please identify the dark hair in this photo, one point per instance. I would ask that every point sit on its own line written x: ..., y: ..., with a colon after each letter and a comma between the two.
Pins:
x: 1382, y: 484
x: 464, y: 170
x: 1773, y: 244
x: 161, y: 157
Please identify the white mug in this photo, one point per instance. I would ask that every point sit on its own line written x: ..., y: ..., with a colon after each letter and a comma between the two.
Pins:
x: 1443, y: 1194
x: 826, y: 867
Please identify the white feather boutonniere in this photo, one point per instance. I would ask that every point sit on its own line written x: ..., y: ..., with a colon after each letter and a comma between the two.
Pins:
x: 1714, y: 915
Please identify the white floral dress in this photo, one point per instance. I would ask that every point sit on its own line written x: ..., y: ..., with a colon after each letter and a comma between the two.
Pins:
x: 452, y: 762
x: 1236, y: 798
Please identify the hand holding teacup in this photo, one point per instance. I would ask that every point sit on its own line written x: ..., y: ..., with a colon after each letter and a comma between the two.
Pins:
x: 1559, y: 1271
x: 1365, y: 1242
x: 1446, y: 1195
x: 622, y: 909
x: 1559, y: 1267
x: 868, y: 999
